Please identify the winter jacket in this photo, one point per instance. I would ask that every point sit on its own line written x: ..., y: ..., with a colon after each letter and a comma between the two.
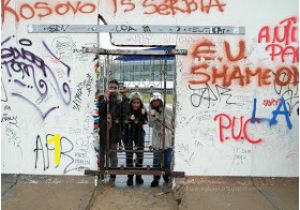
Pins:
x: 135, y: 128
x: 115, y: 112
x: 156, y: 122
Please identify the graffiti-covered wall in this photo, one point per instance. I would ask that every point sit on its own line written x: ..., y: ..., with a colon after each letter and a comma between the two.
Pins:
x: 48, y: 88
x: 237, y: 96
x: 244, y: 95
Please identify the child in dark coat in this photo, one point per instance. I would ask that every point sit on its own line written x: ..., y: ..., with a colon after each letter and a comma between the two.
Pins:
x: 134, y: 130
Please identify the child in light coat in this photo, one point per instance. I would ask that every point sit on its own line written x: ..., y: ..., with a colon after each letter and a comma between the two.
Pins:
x: 162, y: 139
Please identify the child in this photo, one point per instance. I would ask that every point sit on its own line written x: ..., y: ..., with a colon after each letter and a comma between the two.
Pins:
x: 109, y: 118
x: 156, y: 122
x: 135, y: 132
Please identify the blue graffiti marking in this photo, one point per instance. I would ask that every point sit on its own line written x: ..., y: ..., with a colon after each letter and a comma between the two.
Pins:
x: 275, y: 113
x: 285, y: 112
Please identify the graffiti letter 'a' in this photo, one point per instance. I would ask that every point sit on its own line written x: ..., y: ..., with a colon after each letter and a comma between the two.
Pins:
x: 38, y: 148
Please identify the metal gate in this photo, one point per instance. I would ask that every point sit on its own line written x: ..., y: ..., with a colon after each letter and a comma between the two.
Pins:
x: 139, y: 72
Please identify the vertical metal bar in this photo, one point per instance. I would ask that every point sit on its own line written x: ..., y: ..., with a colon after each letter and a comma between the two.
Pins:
x: 123, y: 77
x: 161, y: 66
x: 174, y: 109
x: 150, y: 95
x: 120, y: 79
x: 97, y: 60
x: 133, y: 71
x: 119, y: 146
x: 150, y: 70
x: 107, y: 57
x: 164, y: 107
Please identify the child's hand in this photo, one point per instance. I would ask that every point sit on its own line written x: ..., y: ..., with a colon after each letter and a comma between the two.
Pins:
x: 143, y: 111
x: 132, y: 117
x: 152, y: 112
x: 106, y: 95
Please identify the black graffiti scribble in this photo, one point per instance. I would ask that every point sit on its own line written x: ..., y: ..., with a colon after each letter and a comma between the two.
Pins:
x: 64, y: 152
x: 39, y: 147
x: 13, y: 120
x: 64, y: 47
x: 289, y: 94
x: 77, y: 98
x: 12, y: 136
x: 88, y: 83
x: 21, y: 64
x: 207, y: 93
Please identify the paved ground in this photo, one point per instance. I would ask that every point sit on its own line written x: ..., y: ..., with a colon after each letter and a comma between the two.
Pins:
x: 45, y: 192
x: 194, y: 193
x: 134, y: 198
x: 236, y: 193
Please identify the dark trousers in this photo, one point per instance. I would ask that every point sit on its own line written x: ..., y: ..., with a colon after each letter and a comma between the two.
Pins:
x: 168, y: 155
x: 112, y: 156
x: 138, y: 138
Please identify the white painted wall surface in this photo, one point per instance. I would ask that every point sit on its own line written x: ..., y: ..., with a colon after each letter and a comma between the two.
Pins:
x: 198, y: 146
x: 38, y: 104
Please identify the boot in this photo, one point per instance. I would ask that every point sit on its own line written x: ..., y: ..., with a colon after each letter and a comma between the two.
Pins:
x: 112, y: 178
x: 154, y: 183
x: 139, y: 180
x: 166, y: 178
x: 130, y: 180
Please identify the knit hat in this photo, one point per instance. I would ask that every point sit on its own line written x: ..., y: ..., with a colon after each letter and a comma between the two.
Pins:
x: 136, y: 95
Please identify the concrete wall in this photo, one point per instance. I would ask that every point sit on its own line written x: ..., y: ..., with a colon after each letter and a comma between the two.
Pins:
x: 48, y: 88
x: 222, y: 85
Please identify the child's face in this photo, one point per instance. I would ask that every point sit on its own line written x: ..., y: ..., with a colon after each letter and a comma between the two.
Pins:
x: 136, y: 104
x: 112, y: 87
x: 156, y: 103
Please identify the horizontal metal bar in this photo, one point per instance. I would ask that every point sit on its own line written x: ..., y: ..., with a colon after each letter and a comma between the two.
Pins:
x: 102, y: 51
x: 54, y: 28
x: 125, y: 171
x: 179, y: 174
x: 151, y: 90
x: 132, y: 171
x: 135, y: 122
x: 136, y: 151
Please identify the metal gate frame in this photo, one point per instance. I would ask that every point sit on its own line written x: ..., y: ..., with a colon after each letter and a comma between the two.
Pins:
x: 134, y: 170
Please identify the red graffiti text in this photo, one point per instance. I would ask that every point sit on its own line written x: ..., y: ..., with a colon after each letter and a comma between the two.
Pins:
x: 271, y: 102
x: 280, y: 40
x: 42, y: 9
x: 205, y: 50
x: 230, y: 125
x: 204, y: 71
x: 169, y: 7
x: 228, y: 75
